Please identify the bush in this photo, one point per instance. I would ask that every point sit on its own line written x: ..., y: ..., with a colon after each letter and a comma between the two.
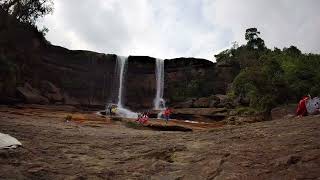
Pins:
x: 277, y: 78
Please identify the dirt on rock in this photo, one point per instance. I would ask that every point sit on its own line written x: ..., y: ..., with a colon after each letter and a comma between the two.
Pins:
x: 104, y: 149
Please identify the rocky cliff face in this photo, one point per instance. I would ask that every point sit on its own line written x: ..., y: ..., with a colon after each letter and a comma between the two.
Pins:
x: 87, y: 78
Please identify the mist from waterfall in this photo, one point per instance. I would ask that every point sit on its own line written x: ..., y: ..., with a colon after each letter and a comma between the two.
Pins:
x: 159, y: 102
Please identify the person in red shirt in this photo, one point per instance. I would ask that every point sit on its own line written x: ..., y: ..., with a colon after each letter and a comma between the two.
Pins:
x: 302, y: 107
x: 167, y: 113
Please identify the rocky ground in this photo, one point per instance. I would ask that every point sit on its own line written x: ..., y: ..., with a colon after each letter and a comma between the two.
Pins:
x: 98, y: 148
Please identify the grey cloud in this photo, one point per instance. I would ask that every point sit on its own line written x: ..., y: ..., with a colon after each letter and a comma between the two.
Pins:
x: 172, y: 28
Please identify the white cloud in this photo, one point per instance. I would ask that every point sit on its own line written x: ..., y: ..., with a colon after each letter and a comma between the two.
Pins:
x: 172, y: 28
x: 281, y: 23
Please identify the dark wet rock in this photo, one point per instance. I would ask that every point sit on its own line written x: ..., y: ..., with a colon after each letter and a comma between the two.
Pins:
x: 31, y: 95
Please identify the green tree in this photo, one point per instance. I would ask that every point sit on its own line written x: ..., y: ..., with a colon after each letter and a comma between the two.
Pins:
x: 292, y: 51
x: 27, y: 10
x: 254, y: 41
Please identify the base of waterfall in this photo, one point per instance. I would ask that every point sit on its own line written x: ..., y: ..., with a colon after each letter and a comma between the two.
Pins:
x: 126, y: 113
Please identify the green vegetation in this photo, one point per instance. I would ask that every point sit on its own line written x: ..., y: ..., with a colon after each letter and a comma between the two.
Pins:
x: 268, y: 77
x: 27, y: 11
x: 133, y: 125
x: 191, y: 84
x: 246, y: 111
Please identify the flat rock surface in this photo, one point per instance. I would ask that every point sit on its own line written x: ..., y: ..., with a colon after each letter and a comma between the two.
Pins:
x: 102, y: 149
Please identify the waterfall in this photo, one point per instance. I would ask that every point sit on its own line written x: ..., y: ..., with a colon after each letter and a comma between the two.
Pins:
x: 120, y: 72
x: 121, y: 67
x: 159, y: 102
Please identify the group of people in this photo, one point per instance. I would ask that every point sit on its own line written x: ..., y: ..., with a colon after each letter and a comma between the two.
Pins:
x: 308, y: 106
x: 111, y: 109
x: 144, y: 117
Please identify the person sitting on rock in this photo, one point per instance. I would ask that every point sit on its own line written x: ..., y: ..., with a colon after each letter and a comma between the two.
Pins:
x: 139, y: 117
x: 145, y: 118
x: 302, y: 107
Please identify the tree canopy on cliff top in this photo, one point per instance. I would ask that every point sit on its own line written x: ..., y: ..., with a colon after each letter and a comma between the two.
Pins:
x: 271, y: 77
x: 28, y: 11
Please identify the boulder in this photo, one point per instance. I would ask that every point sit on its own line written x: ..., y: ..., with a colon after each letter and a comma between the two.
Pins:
x: 48, y: 87
x: 214, y: 102
x: 220, y: 101
x: 31, y: 95
x: 186, y: 104
x: 54, y: 97
x: 51, y: 92
x: 202, y: 102
x: 244, y: 101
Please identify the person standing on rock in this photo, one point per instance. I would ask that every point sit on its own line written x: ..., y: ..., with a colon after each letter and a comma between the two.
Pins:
x: 167, y: 113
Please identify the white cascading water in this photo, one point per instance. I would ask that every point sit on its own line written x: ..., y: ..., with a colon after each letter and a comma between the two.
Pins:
x: 120, y: 73
x: 121, y: 67
x: 159, y: 102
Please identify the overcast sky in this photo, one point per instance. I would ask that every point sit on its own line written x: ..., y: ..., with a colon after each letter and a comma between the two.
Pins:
x: 181, y: 28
